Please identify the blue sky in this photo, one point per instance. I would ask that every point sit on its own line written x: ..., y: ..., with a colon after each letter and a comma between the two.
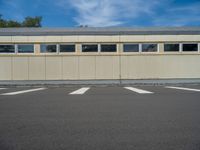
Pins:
x: 103, y: 13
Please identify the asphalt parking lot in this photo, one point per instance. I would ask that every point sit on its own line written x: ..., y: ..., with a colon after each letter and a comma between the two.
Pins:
x: 100, y: 118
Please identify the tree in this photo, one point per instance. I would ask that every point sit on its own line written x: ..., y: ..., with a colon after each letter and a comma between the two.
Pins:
x: 11, y: 24
x: 32, y: 22
x: 28, y: 22
x: 2, y: 22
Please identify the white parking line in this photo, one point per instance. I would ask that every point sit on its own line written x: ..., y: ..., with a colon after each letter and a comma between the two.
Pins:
x: 24, y: 91
x: 182, y: 88
x: 3, y: 88
x: 80, y: 91
x: 140, y: 91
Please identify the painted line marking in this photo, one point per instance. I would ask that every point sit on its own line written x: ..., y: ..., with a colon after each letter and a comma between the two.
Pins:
x: 182, y: 88
x: 3, y: 88
x: 24, y: 91
x: 140, y: 91
x: 80, y: 91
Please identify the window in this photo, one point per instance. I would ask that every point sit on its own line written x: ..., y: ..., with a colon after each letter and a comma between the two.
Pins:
x: 44, y: 48
x: 90, y: 48
x: 67, y: 48
x: 7, y: 48
x: 131, y: 47
x: 190, y: 47
x: 149, y: 48
x: 108, y: 48
x: 28, y: 48
x: 171, y: 47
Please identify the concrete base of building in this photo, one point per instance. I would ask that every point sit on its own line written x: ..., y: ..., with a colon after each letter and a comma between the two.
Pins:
x: 152, y: 82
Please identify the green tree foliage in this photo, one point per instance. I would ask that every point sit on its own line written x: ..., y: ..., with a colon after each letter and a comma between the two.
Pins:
x: 12, y: 24
x: 3, y: 23
x: 28, y: 22
x: 32, y: 21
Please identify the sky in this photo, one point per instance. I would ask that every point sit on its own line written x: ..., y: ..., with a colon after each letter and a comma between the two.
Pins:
x: 105, y: 13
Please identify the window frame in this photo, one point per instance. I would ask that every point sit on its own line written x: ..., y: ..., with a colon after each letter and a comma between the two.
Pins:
x: 157, y: 51
x: 199, y: 47
x: 67, y: 52
x: 172, y: 51
x: 21, y: 53
x: 116, y: 44
x: 131, y: 52
x: 189, y: 51
x: 49, y: 53
x: 121, y: 50
x: 89, y: 44
x: 12, y: 52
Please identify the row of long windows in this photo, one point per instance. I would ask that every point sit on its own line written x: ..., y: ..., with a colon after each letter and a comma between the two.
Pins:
x: 67, y: 48
x: 52, y: 48
x: 24, y: 48
x: 175, y: 47
x: 46, y: 48
x: 179, y: 47
x: 140, y: 47
x: 97, y: 48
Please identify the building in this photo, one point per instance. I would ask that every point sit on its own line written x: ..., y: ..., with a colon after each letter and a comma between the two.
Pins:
x: 99, y: 53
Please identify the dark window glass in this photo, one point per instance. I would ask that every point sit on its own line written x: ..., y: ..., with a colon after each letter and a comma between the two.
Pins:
x: 90, y: 48
x: 48, y: 48
x: 7, y: 48
x: 108, y: 48
x: 149, y: 47
x: 131, y: 47
x: 190, y: 47
x: 25, y: 48
x: 171, y: 47
x: 67, y: 48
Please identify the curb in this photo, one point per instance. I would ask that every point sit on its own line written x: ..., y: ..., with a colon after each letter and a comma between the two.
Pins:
x: 60, y: 83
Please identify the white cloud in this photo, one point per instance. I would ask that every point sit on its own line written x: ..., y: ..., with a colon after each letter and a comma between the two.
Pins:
x: 103, y: 13
x: 110, y: 12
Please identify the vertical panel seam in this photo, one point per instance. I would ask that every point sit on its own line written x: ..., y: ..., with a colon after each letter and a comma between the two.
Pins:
x: 45, y: 68
x: 62, y: 68
x: 95, y: 74
x: 11, y: 67
x: 28, y: 67
x: 79, y: 67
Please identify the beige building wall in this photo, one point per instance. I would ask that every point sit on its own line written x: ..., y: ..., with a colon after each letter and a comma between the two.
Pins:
x: 160, y: 66
x: 54, y: 67
x: 99, y: 38
x: 20, y: 67
x: 87, y: 67
x: 70, y: 67
x: 36, y: 68
x: 97, y: 66
x: 107, y: 67
x: 6, y: 68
